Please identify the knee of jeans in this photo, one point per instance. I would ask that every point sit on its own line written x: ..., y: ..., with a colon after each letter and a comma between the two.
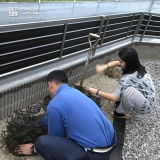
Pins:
x: 40, y: 142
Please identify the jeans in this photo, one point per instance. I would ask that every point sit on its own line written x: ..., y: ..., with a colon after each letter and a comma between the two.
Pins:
x: 61, y: 148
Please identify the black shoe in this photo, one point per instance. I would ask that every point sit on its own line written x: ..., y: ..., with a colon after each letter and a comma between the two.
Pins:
x: 120, y: 115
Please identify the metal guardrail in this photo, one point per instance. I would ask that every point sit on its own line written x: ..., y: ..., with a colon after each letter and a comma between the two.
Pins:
x: 24, y: 45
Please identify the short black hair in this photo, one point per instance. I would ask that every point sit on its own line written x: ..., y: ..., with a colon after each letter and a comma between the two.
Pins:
x: 130, y: 57
x: 57, y: 76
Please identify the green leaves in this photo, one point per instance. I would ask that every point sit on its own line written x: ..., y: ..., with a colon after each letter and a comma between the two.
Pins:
x: 23, y: 127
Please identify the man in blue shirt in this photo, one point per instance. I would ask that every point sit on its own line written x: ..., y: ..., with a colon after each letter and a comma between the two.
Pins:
x: 90, y: 135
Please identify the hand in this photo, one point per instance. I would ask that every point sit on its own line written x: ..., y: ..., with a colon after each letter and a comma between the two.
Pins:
x: 92, y: 90
x: 99, y: 68
x: 24, y: 149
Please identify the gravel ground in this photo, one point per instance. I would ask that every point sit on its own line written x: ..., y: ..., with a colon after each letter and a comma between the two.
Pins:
x: 102, y: 82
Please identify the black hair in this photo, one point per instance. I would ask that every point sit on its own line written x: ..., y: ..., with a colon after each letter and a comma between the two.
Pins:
x: 57, y: 76
x: 130, y: 57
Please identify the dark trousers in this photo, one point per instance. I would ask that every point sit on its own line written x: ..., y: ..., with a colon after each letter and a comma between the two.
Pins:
x: 61, y: 148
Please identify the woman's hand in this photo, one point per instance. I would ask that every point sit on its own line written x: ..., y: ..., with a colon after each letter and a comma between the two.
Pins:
x: 99, y: 68
x: 92, y: 90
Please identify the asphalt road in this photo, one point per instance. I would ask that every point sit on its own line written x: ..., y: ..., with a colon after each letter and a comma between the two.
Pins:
x: 11, y: 13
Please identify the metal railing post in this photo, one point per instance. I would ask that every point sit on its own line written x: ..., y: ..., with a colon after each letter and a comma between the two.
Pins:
x: 99, y: 31
x: 146, y: 27
x: 63, y: 40
x: 130, y: 26
x: 104, y: 32
x: 101, y: 25
x: 138, y: 26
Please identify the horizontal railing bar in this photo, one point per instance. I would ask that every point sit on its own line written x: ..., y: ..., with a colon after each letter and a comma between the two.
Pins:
x: 143, y: 25
x: 154, y: 26
x: 123, y: 15
x: 82, y: 29
x: 22, y: 40
x: 149, y: 30
x: 131, y: 30
x: 135, y: 20
x: 133, y: 25
x: 152, y: 31
x: 145, y: 20
x: 74, y: 46
x: 154, y: 21
x: 154, y: 14
x: 83, y: 22
x: 1, y: 65
x: 27, y: 49
x: 112, y: 24
x: 150, y: 36
x: 115, y: 35
x: 116, y: 29
x: 117, y: 40
x: 68, y: 40
x: 119, y: 16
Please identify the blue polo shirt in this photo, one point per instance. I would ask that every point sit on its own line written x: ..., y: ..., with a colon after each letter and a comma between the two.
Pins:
x: 75, y: 114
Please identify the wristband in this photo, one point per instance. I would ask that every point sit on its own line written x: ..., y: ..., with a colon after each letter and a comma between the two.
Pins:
x: 104, y: 66
x: 97, y: 92
x: 107, y: 66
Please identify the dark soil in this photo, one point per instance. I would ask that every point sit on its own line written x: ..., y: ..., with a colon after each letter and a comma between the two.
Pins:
x: 95, y: 99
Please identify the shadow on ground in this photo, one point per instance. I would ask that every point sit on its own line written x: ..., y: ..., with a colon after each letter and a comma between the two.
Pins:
x: 119, y: 126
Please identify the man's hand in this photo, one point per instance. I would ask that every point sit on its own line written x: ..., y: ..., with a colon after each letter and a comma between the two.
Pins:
x: 92, y: 90
x: 24, y: 149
